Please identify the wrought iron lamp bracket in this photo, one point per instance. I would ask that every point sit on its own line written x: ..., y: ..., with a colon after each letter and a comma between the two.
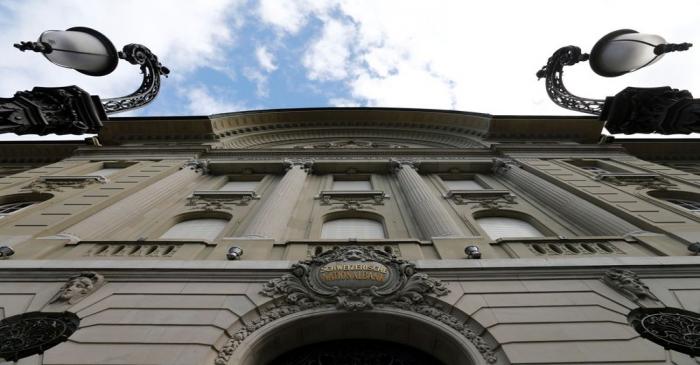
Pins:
x: 553, y: 73
x: 151, y: 69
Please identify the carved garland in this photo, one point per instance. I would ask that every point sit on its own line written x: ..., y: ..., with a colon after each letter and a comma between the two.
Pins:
x: 354, y: 278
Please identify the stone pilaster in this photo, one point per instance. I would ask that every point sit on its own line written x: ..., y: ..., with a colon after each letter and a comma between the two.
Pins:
x: 428, y: 209
x: 104, y: 222
x: 271, y: 218
x: 592, y: 219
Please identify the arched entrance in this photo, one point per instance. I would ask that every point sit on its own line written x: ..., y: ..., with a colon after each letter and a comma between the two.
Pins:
x: 310, y: 329
x: 355, y: 352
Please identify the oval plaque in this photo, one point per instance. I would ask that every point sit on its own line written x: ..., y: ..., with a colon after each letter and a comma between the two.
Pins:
x: 354, y: 274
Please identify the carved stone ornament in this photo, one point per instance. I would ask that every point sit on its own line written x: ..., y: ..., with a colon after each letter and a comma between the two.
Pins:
x: 352, y: 200
x: 354, y: 278
x: 673, y: 328
x: 200, y: 166
x: 33, y: 333
x: 57, y: 184
x: 651, y: 182
x: 211, y: 204
x: 480, y: 200
x: 305, y: 163
x: 349, y: 144
x: 628, y: 284
x: 78, y: 287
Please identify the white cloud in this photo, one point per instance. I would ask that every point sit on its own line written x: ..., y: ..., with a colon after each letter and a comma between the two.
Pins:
x: 482, y: 57
x: 328, y: 57
x: 260, y: 80
x: 265, y: 59
x: 288, y: 16
x: 201, y: 101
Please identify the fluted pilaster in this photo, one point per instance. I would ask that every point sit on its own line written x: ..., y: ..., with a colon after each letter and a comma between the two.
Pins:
x: 431, y: 215
x: 577, y: 211
x: 112, y: 218
x: 271, y: 218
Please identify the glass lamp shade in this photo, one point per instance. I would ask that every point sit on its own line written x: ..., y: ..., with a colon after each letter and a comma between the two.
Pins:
x: 82, y: 49
x: 624, y: 51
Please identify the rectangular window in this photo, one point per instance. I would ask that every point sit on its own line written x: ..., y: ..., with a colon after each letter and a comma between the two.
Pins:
x: 595, y: 169
x: 352, y: 185
x: 239, y: 186
x: 104, y: 172
x: 466, y: 184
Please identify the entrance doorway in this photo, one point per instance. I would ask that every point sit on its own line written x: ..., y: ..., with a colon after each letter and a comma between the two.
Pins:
x: 355, y: 352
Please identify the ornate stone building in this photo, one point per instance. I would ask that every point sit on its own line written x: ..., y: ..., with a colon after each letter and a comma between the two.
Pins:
x: 317, y: 236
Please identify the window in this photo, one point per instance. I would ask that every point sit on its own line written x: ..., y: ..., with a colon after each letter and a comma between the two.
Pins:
x: 469, y: 184
x: 594, y: 169
x: 352, y: 228
x: 196, y: 229
x: 503, y: 227
x: 9, y: 208
x: 105, y: 172
x: 239, y: 186
x: 351, y: 185
x: 691, y: 205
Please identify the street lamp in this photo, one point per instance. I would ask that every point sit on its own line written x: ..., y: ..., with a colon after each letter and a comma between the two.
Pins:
x: 633, y: 110
x: 70, y: 109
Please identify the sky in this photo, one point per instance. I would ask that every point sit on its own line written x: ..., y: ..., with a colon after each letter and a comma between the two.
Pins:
x: 235, y: 55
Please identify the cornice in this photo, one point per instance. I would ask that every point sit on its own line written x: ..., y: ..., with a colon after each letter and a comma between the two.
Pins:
x: 37, y: 151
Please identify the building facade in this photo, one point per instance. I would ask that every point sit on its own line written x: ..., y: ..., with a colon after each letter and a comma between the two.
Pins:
x: 290, y: 236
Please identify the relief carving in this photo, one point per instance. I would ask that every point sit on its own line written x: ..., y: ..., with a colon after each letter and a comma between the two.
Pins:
x: 200, y: 166
x: 58, y: 184
x: 641, y: 182
x: 354, y: 278
x: 352, y: 200
x: 78, y: 287
x: 628, y: 284
x: 220, y: 203
x: 483, y: 201
x: 349, y: 144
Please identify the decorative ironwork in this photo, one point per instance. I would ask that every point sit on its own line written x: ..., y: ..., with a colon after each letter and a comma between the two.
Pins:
x: 355, y: 352
x: 78, y: 287
x: 45, y: 110
x: 553, y: 73
x: 673, y: 328
x: 33, y: 333
x: 354, y: 278
x: 151, y: 68
x: 628, y: 284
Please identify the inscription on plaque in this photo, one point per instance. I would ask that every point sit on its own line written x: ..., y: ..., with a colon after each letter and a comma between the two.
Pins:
x: 354, y: 274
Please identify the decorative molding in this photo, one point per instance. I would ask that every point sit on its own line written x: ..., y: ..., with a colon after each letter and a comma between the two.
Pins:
x: 33, y: 333
x: 133, y: 249
x: 58, y: 183
x: 219, y: 200
x: 501, y: 165
x: 642, y: 181
x: 78, y: 287
x: 305, y: 163
x: 398, y: 163
x: 487, y: 199
x: 574, y: 248
x: 352, y: 200
x: 627, y: 283
x: 354, y: 278
x: 352, y: 143
x: 673, y: 328
x: 200, y: 166
x: 317, y: 249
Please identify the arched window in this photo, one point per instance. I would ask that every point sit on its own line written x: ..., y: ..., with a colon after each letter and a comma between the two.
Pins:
x: 691, y: 205
x: 345, y: 228
x: 196, y: 229
x: 9, y: 208
x: 502, y: 227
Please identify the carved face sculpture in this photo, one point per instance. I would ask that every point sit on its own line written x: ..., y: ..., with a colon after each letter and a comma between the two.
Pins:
x: 76, y: 287
x: 353, y: 255
x: 633, y: 285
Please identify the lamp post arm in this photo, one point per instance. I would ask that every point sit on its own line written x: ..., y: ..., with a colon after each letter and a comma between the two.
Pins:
x: 553, y: 73
x: 151, y: 69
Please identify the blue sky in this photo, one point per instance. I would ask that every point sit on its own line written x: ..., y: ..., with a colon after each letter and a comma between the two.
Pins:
x: 233, y: 55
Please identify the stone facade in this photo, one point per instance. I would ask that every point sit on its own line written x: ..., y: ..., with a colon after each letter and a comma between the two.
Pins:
x: 613, y: 241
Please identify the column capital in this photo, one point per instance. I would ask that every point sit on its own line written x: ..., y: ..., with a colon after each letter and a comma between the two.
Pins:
x: 397, y: 164
x: 201, y: 166
x: 504, y: 164
x: 305, y: 164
